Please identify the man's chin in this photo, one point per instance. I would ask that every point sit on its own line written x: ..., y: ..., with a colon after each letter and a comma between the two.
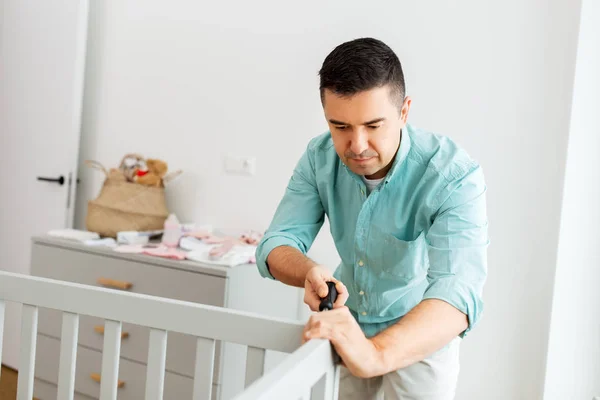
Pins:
x: 365, y: 171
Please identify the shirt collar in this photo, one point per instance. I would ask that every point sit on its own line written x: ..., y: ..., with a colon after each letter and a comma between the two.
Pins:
x: 401, y: 154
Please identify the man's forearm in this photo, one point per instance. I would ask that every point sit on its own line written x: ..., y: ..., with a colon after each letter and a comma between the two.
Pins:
x: 425, y: 329
x: 289, y: 265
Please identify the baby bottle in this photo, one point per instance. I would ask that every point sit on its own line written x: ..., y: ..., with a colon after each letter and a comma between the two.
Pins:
x: 172, y: 231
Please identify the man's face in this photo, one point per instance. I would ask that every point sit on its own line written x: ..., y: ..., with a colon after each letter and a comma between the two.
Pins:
x: 365, y: 129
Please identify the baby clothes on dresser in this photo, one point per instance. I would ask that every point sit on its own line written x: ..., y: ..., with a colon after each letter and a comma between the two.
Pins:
x: 166, y: 252
x: 219, y: 251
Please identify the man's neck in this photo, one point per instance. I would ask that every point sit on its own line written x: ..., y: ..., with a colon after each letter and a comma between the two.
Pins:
x: 382, y: 172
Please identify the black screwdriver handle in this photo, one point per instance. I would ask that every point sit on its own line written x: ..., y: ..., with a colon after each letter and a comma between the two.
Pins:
x: 327, y: 304
x: 327, y: 301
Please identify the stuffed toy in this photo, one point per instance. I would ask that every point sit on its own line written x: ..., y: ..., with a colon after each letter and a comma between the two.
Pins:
x: 130, y: 164
x: 152, y: 174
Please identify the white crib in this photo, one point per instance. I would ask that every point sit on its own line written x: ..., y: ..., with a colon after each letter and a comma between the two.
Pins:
x: 309, y: 372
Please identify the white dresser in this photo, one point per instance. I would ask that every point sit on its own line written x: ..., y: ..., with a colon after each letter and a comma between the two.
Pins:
x: 238, y: 287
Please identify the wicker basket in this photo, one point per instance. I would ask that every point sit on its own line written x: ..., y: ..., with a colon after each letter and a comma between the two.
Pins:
x: 126, y: 206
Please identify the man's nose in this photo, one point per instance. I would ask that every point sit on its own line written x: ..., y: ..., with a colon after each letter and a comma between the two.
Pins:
x: 359, y: 143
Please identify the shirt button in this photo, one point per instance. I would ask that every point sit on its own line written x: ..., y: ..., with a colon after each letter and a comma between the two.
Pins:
x: 361, y: 263
x: 361, y: 293
x: 363, y: 313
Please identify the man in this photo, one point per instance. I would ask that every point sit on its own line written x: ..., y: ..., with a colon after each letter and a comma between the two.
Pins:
x: 407, y: 212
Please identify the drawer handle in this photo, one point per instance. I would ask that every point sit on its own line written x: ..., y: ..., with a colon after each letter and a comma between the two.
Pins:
x: 112, y: 283
x: 100, y: 329
x: 96, y: 377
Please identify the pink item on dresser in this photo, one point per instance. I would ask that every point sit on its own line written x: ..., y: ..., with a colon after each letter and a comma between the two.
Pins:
x: 225, y: 246
x: 251, y: 237
x: 198, y: 234
x: 166, y: 252
x: 172, y: 232
x: 212, y: 239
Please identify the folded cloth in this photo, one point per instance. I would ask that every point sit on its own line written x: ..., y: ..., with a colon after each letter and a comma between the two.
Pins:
x: 73, y: 234
x: 107, y: 242
x: 130, y: 248
x: 135, y: 248
x: 166, y: 252
x: 221, y: 250
x: 193, y: 243
x: 236, y: 255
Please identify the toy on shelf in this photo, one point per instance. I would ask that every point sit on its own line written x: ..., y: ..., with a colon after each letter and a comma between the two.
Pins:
x: 152, y: 174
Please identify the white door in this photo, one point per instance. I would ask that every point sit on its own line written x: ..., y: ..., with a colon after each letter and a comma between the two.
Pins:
x: 42, y: 57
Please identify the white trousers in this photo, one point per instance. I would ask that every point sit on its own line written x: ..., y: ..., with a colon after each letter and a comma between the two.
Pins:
x: 434, y: 378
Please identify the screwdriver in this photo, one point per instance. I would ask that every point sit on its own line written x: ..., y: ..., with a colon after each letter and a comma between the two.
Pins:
x: 327, y: 304
x: 329, y: 299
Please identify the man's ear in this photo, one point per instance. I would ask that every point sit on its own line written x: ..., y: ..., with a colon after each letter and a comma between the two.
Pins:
x: 405, y: 109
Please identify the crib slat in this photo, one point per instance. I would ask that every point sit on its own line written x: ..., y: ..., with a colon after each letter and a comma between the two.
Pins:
x: 29, y: 321
x: 157, y: 354
x: 68, y: 355
x: 203, y: 374
x: 110, y: 360
x: 318, y: 390
x: 255, y: 364
x: 337, y: 370
x: 327, y: 387
x: 2, y: 308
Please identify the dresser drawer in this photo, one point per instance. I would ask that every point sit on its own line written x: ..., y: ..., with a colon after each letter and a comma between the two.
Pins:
x: 89, y: 362
x: 47, y: 391
x: 81, y: 267
x: 88, y: 268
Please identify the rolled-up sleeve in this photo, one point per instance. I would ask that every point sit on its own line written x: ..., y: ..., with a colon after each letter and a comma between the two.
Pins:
x: 457, y: 246
x: 298, y: 217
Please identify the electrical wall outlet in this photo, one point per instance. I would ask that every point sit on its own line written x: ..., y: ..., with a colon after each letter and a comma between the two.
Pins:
x: 240, y: 165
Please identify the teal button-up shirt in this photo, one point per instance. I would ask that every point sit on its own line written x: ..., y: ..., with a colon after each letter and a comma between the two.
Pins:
x: 420, y: 234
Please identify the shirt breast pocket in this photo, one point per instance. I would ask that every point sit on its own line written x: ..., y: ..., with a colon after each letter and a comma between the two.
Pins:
x: 404, y: 260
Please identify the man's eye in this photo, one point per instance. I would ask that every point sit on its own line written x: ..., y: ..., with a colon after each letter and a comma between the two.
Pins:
x: 341, y: 128
x: 374, y: 126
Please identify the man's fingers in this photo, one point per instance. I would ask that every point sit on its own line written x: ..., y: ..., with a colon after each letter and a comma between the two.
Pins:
x: 313, y: 304
x: 340, y: 287
x: 318, y: 330
x: 312, y: 301
x: 341, y: 300
x: 305, y: 335
x: 320, y: 287
x: 316, y: 285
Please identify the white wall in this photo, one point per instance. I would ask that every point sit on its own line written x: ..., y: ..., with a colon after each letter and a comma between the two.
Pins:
x: 189, y: 82
x: 573, y: 367
x: 1, y: 23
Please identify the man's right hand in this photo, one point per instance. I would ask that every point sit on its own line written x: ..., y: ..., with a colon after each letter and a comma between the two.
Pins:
x: 315, y: 288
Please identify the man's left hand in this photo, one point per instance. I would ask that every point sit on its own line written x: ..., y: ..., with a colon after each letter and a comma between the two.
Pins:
x: 358, y: 353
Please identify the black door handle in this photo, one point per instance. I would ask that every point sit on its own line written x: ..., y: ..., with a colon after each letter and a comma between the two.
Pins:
x: 60, y: 180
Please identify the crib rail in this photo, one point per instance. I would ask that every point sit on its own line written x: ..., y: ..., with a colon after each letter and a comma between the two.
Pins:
x: 301, y: 370
x: 310, y: 367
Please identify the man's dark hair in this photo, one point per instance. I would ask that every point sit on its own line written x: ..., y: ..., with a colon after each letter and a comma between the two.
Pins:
x: 359, y: 65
